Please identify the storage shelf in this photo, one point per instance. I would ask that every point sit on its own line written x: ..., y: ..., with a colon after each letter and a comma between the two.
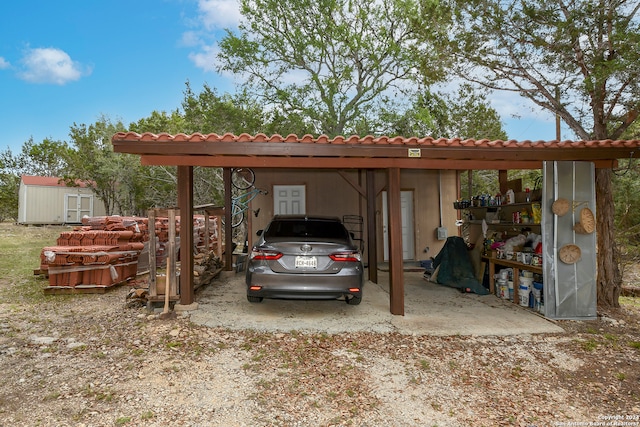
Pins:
x: 504, y: 224
x: 509, y: 205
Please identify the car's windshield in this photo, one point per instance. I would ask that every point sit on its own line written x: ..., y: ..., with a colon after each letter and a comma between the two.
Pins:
x: 306, y: 228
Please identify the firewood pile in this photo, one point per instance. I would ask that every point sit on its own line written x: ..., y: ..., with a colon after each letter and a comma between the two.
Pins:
x: 205, y: 267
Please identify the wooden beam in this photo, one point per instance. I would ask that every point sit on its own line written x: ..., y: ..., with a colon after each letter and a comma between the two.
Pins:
x: 382, y: 151
x: 346, y: 163
x: 355, y: 185
x: 335, y: 163
x: 372, y: 241
x: 394, y: 235
x: 185, y: 204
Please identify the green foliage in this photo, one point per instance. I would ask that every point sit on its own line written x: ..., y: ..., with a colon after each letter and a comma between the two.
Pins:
x: 464, y: 114
x: 325, y: 61
x: 47, y: 158
x: 112, y: 176
x: 159, y: 122
x: 208, y: 112
x: 9, y: 186
x: 576, y: 59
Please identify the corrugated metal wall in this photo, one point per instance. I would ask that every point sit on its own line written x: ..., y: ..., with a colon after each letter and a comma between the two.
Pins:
x: 569, y: 288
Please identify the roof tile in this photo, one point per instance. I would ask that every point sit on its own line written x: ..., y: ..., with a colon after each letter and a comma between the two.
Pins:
x: 369, y: 139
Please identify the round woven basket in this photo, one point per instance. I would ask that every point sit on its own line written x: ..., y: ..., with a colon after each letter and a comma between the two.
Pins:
x: 587, y: 221
x: 560, y: 207
x: 570, y: 254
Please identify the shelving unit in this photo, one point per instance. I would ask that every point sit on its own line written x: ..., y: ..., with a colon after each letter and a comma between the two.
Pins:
x: 500, y: 219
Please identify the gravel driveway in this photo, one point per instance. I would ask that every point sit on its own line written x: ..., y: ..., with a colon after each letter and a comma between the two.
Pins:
x: 88, y: 360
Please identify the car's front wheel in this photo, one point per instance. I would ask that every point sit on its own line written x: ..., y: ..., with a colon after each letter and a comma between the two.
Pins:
x: 354, y: 300
x: 254, y: 299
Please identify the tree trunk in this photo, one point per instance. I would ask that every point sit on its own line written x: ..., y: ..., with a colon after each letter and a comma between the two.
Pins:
x: 609, y: 278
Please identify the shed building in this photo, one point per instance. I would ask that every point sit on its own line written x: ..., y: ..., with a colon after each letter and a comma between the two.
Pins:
x: 47, y: 200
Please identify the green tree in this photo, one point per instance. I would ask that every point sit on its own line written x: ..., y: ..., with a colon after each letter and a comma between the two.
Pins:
x: 327, y: 61
x: 159, y: 122
x: 156, y: 186
x: 112, y: 176
x: 9, y: 185
x: 576, y: 59
x: 47, y: 158
x: 209, y: 112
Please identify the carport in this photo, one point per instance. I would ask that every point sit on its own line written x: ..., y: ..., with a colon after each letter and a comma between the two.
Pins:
x: 365, y: 153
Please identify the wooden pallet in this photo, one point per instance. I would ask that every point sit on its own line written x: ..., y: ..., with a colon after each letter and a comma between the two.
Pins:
x: 79, y: 289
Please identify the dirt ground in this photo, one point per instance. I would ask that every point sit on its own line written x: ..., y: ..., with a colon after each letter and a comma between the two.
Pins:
x: 93, y: 360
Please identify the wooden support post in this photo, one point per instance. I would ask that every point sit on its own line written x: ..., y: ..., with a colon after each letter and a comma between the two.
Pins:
x: 185, y: 204
x: 502, y: 181
x: 396, y: 268
x: 153, y: 290
x: 228, y: 230
x: 171, y: 289
x: 371, y: 227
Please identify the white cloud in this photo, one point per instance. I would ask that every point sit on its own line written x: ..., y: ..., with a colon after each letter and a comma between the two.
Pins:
x: 51, y: 65
x: 213, y: 17
x: 206, y: 58
x: 190, y: 39
x: 218, y: 14
x: 4, y: 63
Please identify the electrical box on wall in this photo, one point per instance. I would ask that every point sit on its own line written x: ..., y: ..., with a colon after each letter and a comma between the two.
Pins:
x: 442, y: 233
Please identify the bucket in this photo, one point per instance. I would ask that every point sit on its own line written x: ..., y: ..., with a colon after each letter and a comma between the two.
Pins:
x: 537, y: 296
x: 523, y: 294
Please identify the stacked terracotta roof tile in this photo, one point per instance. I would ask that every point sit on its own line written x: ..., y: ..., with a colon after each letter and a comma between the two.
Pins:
x: 102, y: 252
x: 105, y: 250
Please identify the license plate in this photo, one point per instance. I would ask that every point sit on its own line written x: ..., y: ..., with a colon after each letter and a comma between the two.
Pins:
x: 306, y: 262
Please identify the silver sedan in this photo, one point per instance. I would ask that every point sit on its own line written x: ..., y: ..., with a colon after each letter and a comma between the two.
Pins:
x: 305, y: 257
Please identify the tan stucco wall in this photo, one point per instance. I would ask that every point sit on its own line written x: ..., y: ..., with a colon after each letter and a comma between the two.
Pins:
x: 328, y: 193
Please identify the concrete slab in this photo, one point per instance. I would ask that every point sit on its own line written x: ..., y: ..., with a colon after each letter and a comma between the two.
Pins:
x: 430, y: 309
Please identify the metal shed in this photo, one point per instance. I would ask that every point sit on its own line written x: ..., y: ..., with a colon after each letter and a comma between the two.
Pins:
x: 47, y: 200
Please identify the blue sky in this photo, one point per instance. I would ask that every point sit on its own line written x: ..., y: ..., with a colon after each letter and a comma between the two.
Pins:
x: 73, y: 61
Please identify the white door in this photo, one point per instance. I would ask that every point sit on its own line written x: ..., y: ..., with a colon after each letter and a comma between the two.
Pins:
x: 406, y: 207
x: 77, y: 206
x: 289, y: 199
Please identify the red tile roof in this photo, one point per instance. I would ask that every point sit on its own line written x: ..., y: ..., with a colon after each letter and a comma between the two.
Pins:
x: 370, y: 140
x: 46, y: 181
x: 260, y: 150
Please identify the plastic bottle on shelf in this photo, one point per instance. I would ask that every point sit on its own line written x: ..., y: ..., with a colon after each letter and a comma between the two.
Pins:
x: 527, y: 195
x: 511, y: 197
